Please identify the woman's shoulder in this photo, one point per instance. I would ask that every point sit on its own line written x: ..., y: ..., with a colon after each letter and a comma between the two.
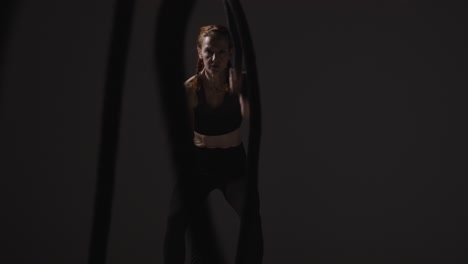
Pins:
x: 191, y: 82
x: 191, y: 90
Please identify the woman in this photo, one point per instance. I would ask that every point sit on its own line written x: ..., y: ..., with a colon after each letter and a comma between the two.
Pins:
x: 217, y: 105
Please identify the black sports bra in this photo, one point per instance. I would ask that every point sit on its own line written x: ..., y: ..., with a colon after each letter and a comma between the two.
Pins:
x: 223, y: 119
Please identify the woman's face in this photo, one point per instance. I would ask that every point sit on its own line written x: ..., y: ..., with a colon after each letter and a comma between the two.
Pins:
x: 215, y: 54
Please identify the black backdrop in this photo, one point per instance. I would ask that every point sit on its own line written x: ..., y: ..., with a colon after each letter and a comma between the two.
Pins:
x: 364, y: 149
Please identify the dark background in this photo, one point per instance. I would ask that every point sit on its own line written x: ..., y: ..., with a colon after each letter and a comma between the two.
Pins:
x: 364, y: 148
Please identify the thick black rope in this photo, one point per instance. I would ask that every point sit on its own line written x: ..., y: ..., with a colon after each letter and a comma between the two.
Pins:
x: 255, y: 128
x: 237, y: 62
x: 7, y: 14
x: 169, y: 57
x: 110, y: 131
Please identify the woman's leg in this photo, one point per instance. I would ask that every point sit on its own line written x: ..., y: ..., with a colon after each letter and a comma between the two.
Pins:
x: 242, y: 194
x: 186, y: 200
x: 202, y: 238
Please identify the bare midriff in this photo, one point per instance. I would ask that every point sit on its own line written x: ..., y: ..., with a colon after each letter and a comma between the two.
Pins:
x: 229, y: 140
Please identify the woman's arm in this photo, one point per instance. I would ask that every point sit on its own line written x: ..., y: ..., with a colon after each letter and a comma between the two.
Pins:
x: 245, y: 106
x: 190, y: 92
x: 243, y: 96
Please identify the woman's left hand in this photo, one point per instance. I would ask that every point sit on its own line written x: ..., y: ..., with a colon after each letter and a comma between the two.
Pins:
x: 235, y: 80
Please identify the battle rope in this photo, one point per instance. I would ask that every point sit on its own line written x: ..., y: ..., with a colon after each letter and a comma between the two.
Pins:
x: 243, y: 37
x: 8, y: 13
x: 110, y: 131
x: 237, y: 60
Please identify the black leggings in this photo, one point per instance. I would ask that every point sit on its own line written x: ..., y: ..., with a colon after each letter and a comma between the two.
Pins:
x: 224, y: 169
